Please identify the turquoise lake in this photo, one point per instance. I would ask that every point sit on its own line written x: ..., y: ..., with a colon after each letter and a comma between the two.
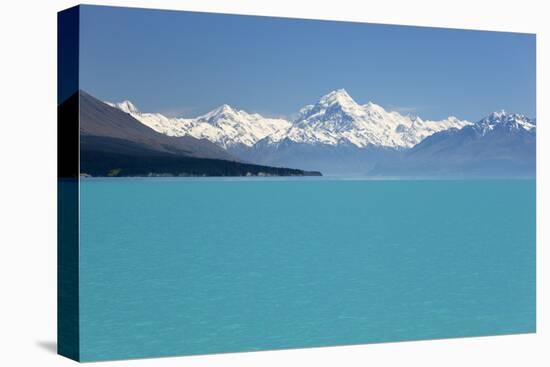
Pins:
x: 194, y: 266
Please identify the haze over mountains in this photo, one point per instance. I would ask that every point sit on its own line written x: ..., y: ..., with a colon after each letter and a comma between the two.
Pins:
x: 336, y: 135
x: 499, y: 145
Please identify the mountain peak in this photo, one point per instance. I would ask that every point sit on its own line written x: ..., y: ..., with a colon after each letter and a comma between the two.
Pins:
x: 339, y: 96
x: 502, y: 119
x: 128, y: 107
x: 340, y: 92
x: 124, y: 106
x: 222, y: 111
x: 498, y: 115
x: 224, y: 108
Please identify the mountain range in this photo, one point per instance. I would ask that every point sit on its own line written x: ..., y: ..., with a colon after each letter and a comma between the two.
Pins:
x: 113, y: 143
x: 336, y: 119
x: 337, y: 135
x: 500, y: 145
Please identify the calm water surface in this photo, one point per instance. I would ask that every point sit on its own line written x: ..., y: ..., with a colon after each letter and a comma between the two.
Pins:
x: 192, y: 266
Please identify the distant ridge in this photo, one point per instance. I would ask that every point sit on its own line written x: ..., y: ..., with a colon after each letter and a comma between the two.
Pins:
x: 500, y: 145
x: 335, y: 119
x: 336, y: 135
x: 113, y: 143
x: 100, y: 120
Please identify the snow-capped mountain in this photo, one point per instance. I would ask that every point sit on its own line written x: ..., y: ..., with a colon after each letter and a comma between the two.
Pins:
x: 229, y: 127
x: 501, y: 144
x: 337, y: 135
x: 125, y: 106
x: 336, y: 119
x: 505, y: 121
x: 112, y: 142
x: 224, y: 125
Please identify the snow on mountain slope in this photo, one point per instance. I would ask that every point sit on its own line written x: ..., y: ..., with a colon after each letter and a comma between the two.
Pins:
x: 125, y: 106
x: 156, y: 121
x: 336, y: 119
x: 227, y: 127
x: 500, y: 145
x: 507, y: 121
x: 224, y: 125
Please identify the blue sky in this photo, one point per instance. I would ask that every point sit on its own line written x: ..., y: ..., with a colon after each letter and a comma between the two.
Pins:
x: 185, y: 64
